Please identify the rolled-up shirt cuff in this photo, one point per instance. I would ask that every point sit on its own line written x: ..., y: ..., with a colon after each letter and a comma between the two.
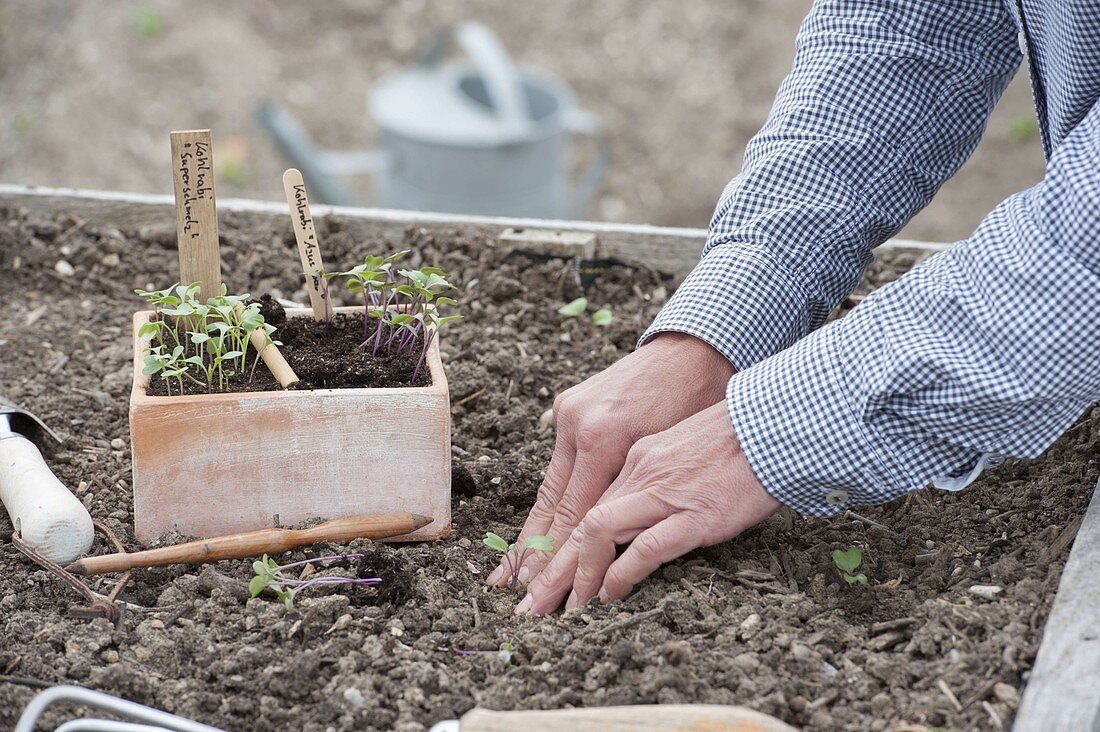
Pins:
x: 740, y: 301
x: 802, y: 421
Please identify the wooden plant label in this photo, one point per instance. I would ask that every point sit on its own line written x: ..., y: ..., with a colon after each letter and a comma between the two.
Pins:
x: 309, y: 249
x: 196, y: 215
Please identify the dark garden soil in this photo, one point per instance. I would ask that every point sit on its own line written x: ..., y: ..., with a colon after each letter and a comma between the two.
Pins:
x: 762, y: 621
x: 323, y: 356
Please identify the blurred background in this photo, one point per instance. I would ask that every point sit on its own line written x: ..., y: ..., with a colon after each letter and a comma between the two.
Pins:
x: 89, y: 92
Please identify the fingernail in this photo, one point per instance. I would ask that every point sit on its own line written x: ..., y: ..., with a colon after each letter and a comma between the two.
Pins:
x: 604, y: 597
x: 525, y: 604
x: 523, y: 575
x: 573, y: 600
x: 496, y: 576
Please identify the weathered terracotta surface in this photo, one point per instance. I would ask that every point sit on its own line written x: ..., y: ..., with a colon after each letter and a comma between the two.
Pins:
x: 214, y: 464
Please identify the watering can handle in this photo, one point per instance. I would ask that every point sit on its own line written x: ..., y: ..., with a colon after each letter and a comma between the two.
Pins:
x: 585, y: 124
x: 502, y: 79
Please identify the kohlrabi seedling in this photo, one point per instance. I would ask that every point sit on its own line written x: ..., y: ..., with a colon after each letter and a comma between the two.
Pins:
x: 274, y: 577
x: 574, y: 309
x: 602, y: 317
x: 400, y: 309
x: 514, y: 556
x: 204, y: 342
x: 848, y: 561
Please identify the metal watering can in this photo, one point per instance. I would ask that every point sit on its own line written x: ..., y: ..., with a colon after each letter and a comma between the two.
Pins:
x: 482, y: 137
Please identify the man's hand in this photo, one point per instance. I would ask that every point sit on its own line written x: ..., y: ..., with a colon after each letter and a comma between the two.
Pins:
x: 670, y: 378
x: 687, y: 487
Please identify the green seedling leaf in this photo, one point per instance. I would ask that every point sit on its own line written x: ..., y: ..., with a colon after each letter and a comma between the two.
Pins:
x: 257, y: 585
x: 574, y: 309
x: 602, y: 317
x: 848, y: 560
x: 150, y: 329
x: 539, y: 543
x: 494, y: 542
x: 858, y: 579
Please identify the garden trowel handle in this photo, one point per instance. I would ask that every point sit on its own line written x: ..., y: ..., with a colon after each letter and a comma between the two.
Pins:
x: 643, y: 718
x: 42, y: 510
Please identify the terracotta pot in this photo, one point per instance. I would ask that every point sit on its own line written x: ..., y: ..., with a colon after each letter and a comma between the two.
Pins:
x: 213, y: 464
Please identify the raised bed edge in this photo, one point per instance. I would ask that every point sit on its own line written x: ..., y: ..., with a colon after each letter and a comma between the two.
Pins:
x: 671, y: 250
x: 1063, y: 692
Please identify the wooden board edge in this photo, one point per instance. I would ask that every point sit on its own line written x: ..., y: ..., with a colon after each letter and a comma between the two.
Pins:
x: 1062, y: 691
x: 674, y: 250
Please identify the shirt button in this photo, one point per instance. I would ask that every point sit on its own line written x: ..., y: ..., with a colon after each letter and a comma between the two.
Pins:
x: 836, y: 497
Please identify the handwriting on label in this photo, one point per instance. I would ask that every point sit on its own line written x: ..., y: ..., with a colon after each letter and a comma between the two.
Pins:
x: 305, y: 222
x: 195, y: 171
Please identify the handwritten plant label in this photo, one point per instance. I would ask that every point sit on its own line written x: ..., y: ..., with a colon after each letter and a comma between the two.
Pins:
x: 309, y: 249
x: 196, y: 212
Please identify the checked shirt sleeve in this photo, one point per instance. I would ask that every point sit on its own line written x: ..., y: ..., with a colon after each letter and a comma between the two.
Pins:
x: 991, y: 348
x: 884, y: 102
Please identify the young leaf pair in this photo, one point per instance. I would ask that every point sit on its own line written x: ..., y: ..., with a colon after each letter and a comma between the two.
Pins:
x: 576, y: 308
x: 272, y: 576
x: 515, y: 556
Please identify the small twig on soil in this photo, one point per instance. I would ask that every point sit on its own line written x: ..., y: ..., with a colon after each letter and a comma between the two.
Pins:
x: 889, y: 625
x: 993, y: 716
x: 477, y: 612
x: 1063, y: 540
x: 825, y: 699
x: 865, y: 520
x: 469, y: 398
x: 23, y: 681
x: 511, y: 386
x: 983, y: 692
x: 785, y: 559
x: 178, y: 613
x: 705, y: 601
x: 949, y: 694
x: 632, y: 620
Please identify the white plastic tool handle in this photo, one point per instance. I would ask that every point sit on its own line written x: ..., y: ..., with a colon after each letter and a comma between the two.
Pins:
x: 46, y: 514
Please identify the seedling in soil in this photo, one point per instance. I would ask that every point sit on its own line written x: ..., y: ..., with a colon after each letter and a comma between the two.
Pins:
x: 400, y: 308
x: 574, y: 309
x: 272, y: 576
x: 515, y: 556
x: 602, y: 317
x: 205, y: 343
x: 848, y: 561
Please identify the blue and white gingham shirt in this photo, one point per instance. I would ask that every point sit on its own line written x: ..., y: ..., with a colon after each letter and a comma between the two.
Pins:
x: 991, y: 348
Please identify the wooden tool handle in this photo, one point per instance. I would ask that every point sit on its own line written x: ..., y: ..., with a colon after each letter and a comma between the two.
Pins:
x: 41, y: 508
x: 254, y: 543
x: 271, y: 355
x: 642, y: 718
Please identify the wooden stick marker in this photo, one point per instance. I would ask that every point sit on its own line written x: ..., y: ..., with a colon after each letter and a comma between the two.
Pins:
x: 309, y: 248
x: 196, y: 214
x: 197, y: 233
x: 254, y: 543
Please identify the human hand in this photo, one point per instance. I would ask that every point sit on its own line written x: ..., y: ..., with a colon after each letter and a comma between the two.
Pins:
x: 672, y: 377
x: 686, y: 487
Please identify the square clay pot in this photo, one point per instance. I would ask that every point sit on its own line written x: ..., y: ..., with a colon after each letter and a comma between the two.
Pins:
x: 214, y: 464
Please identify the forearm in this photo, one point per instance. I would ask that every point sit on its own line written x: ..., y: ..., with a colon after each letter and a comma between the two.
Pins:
x: 884, y: 102
x: 988, y: 349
